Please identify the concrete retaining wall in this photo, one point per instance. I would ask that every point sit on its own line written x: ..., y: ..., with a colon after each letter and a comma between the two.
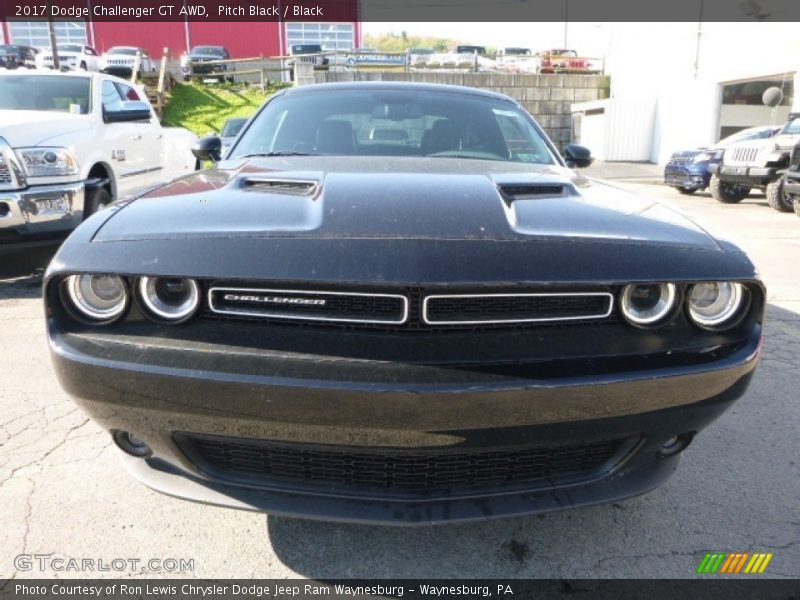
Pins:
x: 548, y: 98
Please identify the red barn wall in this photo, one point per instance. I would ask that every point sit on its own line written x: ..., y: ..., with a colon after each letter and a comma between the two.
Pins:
x: 153, y: 36
x: 243, y: 39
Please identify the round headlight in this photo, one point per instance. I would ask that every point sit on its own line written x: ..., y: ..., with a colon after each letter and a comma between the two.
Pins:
x: 715, y: 303
x: 646, y: 304
x: 169, y: 298
x: 101, y: 298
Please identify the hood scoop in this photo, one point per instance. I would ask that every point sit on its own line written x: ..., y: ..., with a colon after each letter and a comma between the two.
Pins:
x: 277, y: 185
x: 511, y: 192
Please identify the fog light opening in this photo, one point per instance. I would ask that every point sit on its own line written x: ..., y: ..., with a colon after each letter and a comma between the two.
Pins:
x: 131, y: 444
x: 676, y: 444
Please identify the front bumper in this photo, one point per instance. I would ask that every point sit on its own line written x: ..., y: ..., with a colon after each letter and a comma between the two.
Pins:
x: 34, y: 221
x: 162, y: 390
x: 745, y: 176
x: 686, y: 177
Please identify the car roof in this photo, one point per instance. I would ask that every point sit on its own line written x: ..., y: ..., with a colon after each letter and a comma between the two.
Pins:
x: 73, y: 74
x: 399, y: 86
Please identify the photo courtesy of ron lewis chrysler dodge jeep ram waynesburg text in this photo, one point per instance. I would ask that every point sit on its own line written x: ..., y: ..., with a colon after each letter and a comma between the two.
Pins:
x: 397, y: 303
x: 71, y: 143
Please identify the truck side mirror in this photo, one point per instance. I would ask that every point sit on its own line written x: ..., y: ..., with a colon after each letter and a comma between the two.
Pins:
x: 131, y: 111
x: 577, y: 157
x: 208, y: 148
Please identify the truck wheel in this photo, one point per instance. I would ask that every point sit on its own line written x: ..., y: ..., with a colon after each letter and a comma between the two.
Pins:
x: 95, y: 200
x: 778, y: 198
x: 686, y: 191
x: 727, y: 193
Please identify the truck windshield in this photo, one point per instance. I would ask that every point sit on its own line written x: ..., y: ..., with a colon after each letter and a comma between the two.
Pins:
x: 49, y: 93
x: 395, y: 123
x: 792, y: 127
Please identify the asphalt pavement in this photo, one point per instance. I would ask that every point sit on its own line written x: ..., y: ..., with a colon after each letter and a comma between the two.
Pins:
x: 65, y: 495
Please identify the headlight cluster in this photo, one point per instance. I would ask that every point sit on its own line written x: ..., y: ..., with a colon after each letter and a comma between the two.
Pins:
x: 102, y: 299
x: 48, y: 162
x: 709, y: 305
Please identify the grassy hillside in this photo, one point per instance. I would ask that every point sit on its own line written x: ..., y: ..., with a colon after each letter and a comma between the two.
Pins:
x: 204, y: 109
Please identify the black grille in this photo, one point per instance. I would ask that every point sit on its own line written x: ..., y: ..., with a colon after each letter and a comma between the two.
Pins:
x: 383, y: 309
x: 355, y: 470
x: 515, y: 308
x: 309, y: 305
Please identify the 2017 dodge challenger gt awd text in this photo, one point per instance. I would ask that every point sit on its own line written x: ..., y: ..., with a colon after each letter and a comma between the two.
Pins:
x: 398, y: 303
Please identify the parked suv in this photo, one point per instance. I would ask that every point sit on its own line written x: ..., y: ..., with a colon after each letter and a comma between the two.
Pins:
x: 688, y: 170
x: 757, y: 164
x: 13, y: 56
x: 196, y: 62
x: 314, y: 50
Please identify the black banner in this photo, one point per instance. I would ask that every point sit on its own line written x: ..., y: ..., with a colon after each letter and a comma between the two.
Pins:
x: 405, y: 11
x: 284, y: 589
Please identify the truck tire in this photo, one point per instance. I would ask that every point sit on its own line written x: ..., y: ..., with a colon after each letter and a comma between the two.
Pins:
x: 95, y: 200
x: 725, y: 192
x: 778, y: 198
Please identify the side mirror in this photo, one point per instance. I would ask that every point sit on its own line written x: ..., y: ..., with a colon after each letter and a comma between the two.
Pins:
x: 577, y: 157
x: 208, y: 148
x: 131, y: 111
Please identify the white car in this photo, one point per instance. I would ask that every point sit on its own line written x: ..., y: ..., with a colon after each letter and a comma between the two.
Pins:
x: 120, y: 60
x: 72, y: 57
x: 71, y: 143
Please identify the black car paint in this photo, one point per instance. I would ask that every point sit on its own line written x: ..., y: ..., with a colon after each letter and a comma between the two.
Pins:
x: 401, y: 224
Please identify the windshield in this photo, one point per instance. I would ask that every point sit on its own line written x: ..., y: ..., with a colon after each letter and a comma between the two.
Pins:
x: 306, y: 48
x: 207, y: 51
x: 49, y: 93
x: 395, y: 123
x: 743, y: 136
x: 792, y: 127
x: 123, y: 51
x: 517, y: 51
x: 69, y: 48
x: 9, y: 49
x: 232, y: 127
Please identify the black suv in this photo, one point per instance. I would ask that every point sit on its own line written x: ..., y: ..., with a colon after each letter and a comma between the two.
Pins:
x: 13, y: 56
x: 192, y: 63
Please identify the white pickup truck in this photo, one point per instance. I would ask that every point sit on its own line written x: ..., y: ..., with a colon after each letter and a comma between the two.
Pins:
x: 70, y: 143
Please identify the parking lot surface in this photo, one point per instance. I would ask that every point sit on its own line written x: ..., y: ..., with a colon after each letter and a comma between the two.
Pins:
x: 64, y: 493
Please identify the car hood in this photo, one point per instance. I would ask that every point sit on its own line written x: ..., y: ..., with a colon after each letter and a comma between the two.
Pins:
x: 33, y: 127
x: 399, y: 198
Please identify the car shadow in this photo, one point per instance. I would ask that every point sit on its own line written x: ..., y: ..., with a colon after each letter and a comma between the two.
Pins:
x: 663, y: 533
x: 21, y: 287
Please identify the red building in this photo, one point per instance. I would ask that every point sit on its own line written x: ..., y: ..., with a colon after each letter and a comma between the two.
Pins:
x: 244, y: 39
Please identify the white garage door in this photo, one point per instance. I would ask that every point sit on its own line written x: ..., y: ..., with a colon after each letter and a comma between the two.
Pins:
x: 332, y: 36
x: 35, y: 33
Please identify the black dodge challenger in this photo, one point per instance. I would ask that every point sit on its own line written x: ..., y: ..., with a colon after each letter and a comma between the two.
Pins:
x: 398, y: 304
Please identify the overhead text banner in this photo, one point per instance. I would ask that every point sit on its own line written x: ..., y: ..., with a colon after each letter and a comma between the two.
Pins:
x: 405, y: 11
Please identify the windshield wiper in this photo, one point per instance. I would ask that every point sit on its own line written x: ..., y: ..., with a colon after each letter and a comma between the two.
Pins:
x: 277, y: 153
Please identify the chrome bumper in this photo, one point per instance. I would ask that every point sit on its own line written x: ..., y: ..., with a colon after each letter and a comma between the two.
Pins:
x: 42, y: 209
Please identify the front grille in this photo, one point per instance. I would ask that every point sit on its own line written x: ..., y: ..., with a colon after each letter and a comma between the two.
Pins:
x: 409, y: 309
x: 743, y: 156
x: 345, y: 307
x: 392, y: 472
x: 515, y: 308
